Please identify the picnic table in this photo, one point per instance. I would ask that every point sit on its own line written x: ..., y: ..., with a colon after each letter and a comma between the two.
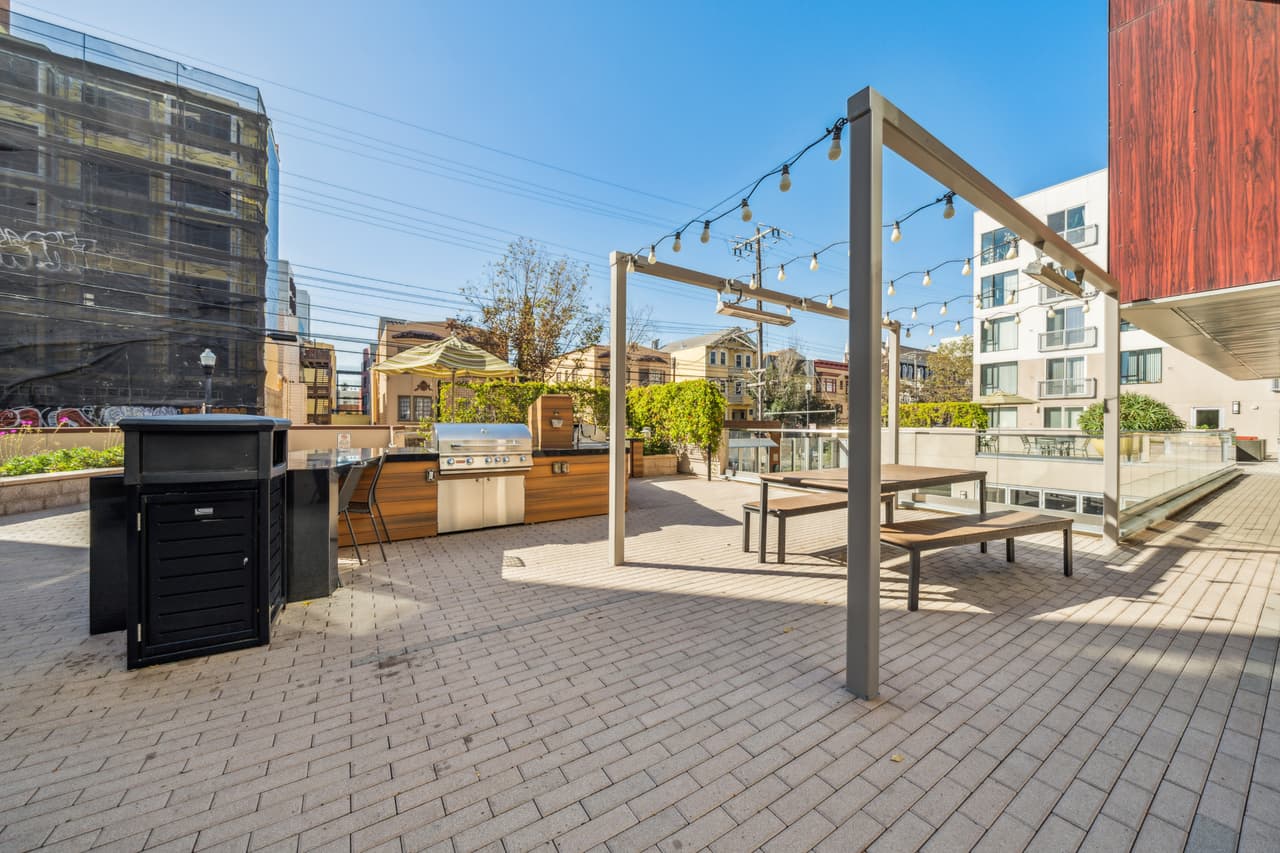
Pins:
x: 893, y: 479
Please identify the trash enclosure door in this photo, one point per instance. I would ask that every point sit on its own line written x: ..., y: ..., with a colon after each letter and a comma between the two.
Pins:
x: 201, y: 575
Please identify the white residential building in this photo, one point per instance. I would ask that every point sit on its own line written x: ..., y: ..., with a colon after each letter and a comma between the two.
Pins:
x: 1035, y: 343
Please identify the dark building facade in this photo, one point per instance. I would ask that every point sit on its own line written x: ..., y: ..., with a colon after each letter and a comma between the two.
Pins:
x: 133, y: 230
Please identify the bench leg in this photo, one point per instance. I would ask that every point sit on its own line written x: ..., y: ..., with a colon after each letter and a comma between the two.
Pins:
x: 888, y: 509
x: 746, y: 531
x: 782, y: 539
x: 1008, y: 550
x: 982, y: 547
x: 913, y: 585
x: 1066, y: 552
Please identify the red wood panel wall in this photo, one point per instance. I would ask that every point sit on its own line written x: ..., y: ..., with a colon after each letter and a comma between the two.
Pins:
x: 1195, y: 145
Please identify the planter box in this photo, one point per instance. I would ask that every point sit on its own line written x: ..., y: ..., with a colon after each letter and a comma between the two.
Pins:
x: 1251, y: 449
x: 34, y: 492
x: 657, y: 465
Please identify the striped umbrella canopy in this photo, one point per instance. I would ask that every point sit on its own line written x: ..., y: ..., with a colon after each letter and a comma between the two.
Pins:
x: 447, y: 359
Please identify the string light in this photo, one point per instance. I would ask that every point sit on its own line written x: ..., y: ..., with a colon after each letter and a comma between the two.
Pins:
x: 675, y: 247
x: 913, y: 313
x: 631, y: 263
x: 957, y: 325
x: 813, y: 263
x: 986, y: 325
x: 927, y: 280
x: 930, y: 331
x: 785, y: 183
x: 753, y: 284
x: 907, y: 332
x: 977, y: 302
x: 1017, y: 319
x: 788, y: 310
x: 1013, y: 251
x: 943, y: 310
x: 831, y: 300
x: 833, y: 153
x: 1085, y: 307
x: 706, y: 231
x: 1050, y: 313
x: 891, y: 290
x: 746, y: 211
x: 967, y: 268
x: 653, y: 254
x: 950, y: 210
x: 782, y: 272
x: 897, y: 233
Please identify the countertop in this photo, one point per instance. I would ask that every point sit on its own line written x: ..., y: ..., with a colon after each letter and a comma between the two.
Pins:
x: 302, y: 460
x: 602, y: 450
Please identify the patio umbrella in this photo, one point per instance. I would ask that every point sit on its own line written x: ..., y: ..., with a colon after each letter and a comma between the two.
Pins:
x: 446, y: 359
x: 1003, y: 398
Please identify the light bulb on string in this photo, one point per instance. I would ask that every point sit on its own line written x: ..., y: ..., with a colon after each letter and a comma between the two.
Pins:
x: 653, y: 254
x: 950, y: 210
x: 957, y: 325
x: 631, y: 263
x: 891, y: 290
x: 1084, y: 308
x: 897, y: 233
x: 833, y: 153
x: 966, y: 269
x: 813, y: 263
x: 913, y: 313
x: 931, y: 331
x: 782, y: 272
x: 754, y: 284
x: 706, y: 231
x: 977, y: 302
x: 785, y: 183
x: 1013, y: 251
x: 831, y: 301
x: 788, y: 310
x: 986, y: 325
x: 927, y: 280
x: 1050, y: 313
x: 943, y: 310
x: 906, y: 333
x: 746, y: 211
x: 1017, y: 319
x: 675, y: 246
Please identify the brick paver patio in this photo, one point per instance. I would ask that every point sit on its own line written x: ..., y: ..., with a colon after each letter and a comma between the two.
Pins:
x: 506, y: 689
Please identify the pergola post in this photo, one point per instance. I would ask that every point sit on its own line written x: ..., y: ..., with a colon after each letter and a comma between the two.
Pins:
x: 862, y: 619
x: 1111, y: 419
x: 891, y: 403
x: 617, y: 408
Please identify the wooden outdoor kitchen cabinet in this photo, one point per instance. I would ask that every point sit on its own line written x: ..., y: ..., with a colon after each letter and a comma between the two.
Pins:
x: 406, y: 495
x: 581, y: 489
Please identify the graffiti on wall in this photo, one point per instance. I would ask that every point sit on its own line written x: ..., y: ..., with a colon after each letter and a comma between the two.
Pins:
x: 76, y: 416
x: 46, y: 251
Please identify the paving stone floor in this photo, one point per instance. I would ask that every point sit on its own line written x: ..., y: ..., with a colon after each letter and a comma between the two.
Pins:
x: 508, y: 690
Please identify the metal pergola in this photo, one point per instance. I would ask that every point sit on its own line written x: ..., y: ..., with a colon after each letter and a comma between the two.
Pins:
x: 875, y: 124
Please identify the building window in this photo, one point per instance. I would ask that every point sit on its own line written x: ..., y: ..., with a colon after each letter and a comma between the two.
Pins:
x: 1062, y: 417
x: 748, y: 361
x: 737, y: 359
x: 422, y: 408
x: 190, y: 191
x: 205, y: 234
x: 119, y: 112
x: 19, y: 72
x: 1000, y: 289
x: 1069, y: 223
x: 1000, y: 377
x: 19, y: 149
x: 1061, y: 501
x: 1141, y: 365
x: 411, y: 409
x: 1091, y: 505
x: 737, y: 388
x: 996, y: 245
x: 404, y: 408
x: 711, y: 357
x: 127, y: 224
x: 108, y: 176
x: 829, y: 386
x: 1002, y: 417
x: 205, y: 121
x: 999, y: 334
x: 1024, y: 497
x: 1065, y: 318
x: 1206, y: 418
x: 724, y: 358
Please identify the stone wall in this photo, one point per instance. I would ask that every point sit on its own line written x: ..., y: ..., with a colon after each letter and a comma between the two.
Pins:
x: 34, y: 492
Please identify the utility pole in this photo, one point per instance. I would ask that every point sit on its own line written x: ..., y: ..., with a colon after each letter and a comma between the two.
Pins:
x: 755, y: 245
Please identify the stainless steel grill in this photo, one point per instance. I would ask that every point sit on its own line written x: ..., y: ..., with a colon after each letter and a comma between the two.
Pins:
x: 465, y: 448
x: 482, y: 470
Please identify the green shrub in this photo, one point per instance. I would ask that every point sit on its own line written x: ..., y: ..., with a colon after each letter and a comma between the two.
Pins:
x: 1138, y: 413
x: 925, y: 415
x: 502, y: 402
x: 66, y: 459
x: 679, y: 414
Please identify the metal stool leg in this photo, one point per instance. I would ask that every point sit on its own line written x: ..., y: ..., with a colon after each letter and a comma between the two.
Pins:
x: 373, y: 522
x: 354, y: 543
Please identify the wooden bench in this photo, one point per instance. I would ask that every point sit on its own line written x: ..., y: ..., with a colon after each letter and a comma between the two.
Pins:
x: 784, y: 508
x: 927, y: 534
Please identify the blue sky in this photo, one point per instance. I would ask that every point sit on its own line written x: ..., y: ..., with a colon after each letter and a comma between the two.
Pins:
x: 592, y: 127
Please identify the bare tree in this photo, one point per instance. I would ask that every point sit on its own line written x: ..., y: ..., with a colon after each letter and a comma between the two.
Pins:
x: 538, y: 305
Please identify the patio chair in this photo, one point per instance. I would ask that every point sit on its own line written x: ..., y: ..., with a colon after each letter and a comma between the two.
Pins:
x: 1026, y: 445
x: 368, y: 507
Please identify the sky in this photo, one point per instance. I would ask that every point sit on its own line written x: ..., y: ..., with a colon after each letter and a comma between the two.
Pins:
x: 417, y: 139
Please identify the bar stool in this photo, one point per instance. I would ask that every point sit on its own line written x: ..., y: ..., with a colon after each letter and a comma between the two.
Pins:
x: 368, y: 507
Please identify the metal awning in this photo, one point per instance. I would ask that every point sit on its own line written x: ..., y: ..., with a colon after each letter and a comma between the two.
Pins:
x: 735, y: 443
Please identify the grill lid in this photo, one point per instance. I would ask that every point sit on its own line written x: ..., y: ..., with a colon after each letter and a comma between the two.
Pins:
x: 456, y: 437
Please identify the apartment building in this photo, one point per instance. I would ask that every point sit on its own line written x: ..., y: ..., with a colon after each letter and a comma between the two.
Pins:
x: 1045, y: 349
x: 134, y: 216
x: 726, y: 357
x: 320, y: 378
x: 593, y: 365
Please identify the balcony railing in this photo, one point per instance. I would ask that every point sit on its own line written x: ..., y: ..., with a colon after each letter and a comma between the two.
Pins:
x: 1068, y: 339
x: 1085, y: 235
x: 1054, y: 389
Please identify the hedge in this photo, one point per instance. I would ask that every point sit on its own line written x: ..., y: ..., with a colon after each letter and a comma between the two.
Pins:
x: 679, y: 414
x: 924, y: 415
x: 66, y: 459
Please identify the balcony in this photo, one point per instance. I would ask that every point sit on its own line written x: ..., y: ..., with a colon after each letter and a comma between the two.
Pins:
x: 1059, y: 389
x: 1060, y: 339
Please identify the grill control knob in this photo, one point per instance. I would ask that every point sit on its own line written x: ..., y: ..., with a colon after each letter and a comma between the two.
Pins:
x: 470, y: 460
x: 506, y: 459
x: 488, y: 460
x: 449, y: 461
x: 522, y: 459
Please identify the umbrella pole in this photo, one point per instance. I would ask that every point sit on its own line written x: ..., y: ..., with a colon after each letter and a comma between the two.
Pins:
x: 453, y: 381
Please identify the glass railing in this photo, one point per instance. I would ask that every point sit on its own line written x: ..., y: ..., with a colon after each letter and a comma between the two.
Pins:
x: 1154, y: 465
x: 1057, y: 388
x: 1068, y: 339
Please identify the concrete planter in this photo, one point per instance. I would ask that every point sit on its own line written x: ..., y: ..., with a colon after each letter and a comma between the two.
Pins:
x: 34, y: 492
x: 658, y: 465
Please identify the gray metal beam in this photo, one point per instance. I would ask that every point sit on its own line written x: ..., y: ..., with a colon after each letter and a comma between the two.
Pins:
x: 891, y: 404
x: 1111, y: 420
x: 862, y: 552
x: 618, y: 409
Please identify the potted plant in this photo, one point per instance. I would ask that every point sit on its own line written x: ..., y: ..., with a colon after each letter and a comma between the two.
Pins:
x: 1138, y: 413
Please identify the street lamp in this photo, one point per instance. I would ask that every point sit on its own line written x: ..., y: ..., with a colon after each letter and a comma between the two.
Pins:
x: 207, y: 361
x: 808, y: 421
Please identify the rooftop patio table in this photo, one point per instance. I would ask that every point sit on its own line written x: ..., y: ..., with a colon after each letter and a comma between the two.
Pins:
x: 893, y: 479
